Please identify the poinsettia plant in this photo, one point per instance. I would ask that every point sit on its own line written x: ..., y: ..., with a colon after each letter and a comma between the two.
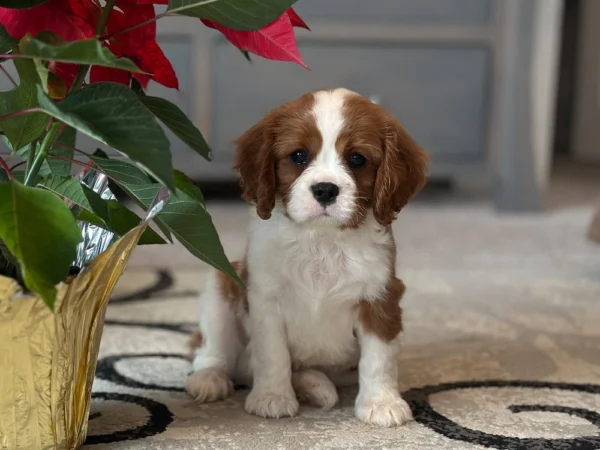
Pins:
x: 83, y: 67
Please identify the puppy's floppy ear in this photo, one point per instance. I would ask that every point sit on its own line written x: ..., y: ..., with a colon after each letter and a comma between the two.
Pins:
x: 402, y: 174
x: 255, y: 162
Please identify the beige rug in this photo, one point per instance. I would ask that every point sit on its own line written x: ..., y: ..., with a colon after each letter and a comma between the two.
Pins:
x: 501, y: 349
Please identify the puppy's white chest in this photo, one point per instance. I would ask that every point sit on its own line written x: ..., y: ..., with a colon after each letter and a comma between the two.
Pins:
x: 317, y: 277
x: 320, y: 337
x: 330, y: 269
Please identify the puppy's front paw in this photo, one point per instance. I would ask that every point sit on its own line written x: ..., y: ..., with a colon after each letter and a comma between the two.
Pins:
x: 209, y: 385
x: 272, y: 404
x: 385, y: 411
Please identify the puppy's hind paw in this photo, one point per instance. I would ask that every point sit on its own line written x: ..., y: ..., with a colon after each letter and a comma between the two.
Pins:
x: 314, y: 387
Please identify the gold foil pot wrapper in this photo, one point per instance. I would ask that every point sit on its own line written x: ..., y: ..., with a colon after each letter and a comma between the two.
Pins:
x: 48, y: 360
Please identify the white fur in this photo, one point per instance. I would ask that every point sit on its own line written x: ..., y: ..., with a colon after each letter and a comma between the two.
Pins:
x: 379, y: 400
x: 327, y: 167
x: 305, y: 279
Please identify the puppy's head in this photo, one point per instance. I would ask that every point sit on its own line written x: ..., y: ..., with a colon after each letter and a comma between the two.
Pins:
x: 330, y: 157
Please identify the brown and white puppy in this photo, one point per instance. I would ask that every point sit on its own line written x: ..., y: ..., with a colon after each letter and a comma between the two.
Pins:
x: 327, y: 174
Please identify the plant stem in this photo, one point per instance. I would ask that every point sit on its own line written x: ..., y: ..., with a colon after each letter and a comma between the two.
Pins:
x: 12, y: 80
x: 43, y: 153
x: 6, y: 169
x: 79, y: 78
x: 19, y: 113
x: 100, y: 27
x: 155, y: 18
x: 134, y: 27
x: 30, y: 157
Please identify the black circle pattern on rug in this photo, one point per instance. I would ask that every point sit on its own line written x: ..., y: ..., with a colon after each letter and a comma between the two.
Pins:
x: 164, y: 281
x: 159, y: 416
x: 107, y: 370
x: 427, y: 416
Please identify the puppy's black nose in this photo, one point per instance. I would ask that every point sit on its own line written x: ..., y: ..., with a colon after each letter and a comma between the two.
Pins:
x: 325, y: 193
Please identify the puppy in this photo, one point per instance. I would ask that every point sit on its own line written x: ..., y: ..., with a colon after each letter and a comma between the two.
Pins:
x: 327, y: 174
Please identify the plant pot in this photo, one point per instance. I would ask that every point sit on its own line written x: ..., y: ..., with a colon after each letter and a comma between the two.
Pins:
x: 48, y: 360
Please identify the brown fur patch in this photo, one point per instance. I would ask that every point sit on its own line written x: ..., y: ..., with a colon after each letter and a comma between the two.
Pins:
x: 383, y: 317
x: 362, y: 134
x: 402, y: 174
x: 195, y: 341
x: 396, y: 166
x: 229, y: 289
x: 263, y: 152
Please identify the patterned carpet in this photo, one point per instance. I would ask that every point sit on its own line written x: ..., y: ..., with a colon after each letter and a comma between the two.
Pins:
x: 501, y: 349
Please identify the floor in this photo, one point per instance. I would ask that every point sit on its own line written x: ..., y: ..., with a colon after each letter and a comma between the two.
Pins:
x: 501, y: 346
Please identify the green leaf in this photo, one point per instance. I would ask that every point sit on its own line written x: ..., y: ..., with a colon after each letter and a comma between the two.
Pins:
x: 19, y: 176
x: 24, y: 129
x: 113, y: 114
x: 7, y: 42
x: 176, y: 121
x: 236, y: 14
x: 68, y: 137
x: 42, y: 70
x: 40, y: 231
x: 123, y: 220
x: 70, y: 189
x: 108, y: 214
x: 120, y: 170
x: 20, y: 4
x: 47, y: 46
x: 120, y: 220
x: 190, y: 223
x: 185, y: 184
x: 10, y: 147
x: 126, y: 174
x: 50, y: 82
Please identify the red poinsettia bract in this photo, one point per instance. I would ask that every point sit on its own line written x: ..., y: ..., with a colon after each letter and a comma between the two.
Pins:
x: 274, y: 41
x: 139, y: 45
x: 71, y: 20
x: 75, y: 20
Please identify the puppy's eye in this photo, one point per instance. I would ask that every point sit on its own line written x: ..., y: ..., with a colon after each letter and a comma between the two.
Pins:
x: 299, y: 157
x: 355, y: 160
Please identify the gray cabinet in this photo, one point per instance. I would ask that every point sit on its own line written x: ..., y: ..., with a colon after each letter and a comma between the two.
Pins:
x: 448, y: 118
x: 398, y: 11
